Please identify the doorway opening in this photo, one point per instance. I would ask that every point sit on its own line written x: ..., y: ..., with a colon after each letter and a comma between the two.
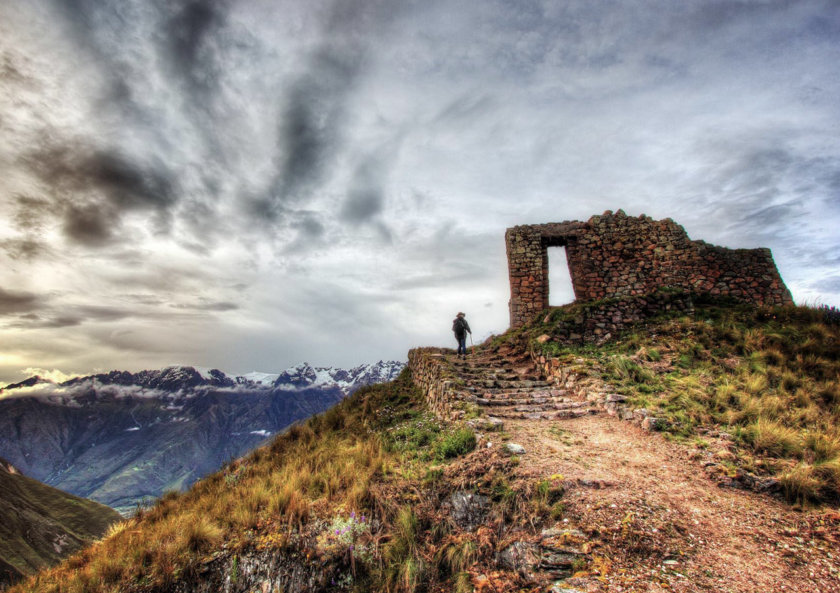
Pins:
x: 560, y: 290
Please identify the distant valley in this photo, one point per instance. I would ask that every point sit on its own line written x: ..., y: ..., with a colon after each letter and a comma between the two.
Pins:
x: 39, y: 525
x: 123, y: 438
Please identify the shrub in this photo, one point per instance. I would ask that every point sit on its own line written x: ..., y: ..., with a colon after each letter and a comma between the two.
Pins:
x: 404, y: 569
x: 201, y: 534
x: 770, y: 437
x: 460, y: 442
x: 800, y: 484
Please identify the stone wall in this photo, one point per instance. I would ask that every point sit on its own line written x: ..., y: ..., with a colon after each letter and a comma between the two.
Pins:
x: 436, y: 379
x: 597, y: 322
x: 614, y: 255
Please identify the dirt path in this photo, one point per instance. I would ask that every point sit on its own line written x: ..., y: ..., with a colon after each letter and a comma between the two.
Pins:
x: 660, y: 524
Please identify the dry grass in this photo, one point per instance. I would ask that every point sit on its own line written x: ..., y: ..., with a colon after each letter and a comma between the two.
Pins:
x: 771, y: 377
x: 328, y: 462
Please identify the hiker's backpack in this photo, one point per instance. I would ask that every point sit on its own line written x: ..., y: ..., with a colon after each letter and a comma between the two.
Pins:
x: 458, y: 325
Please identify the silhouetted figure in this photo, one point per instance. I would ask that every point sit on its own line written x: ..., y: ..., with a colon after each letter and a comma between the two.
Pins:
x: 461, y: 328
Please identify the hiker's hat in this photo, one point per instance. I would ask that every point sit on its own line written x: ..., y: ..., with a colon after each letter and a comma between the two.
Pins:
x: 461, y: 315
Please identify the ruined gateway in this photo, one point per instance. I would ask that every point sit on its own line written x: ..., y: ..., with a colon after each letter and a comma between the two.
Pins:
x: 615, y: 255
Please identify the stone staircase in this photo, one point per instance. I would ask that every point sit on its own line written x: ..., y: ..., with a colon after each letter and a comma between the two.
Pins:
x: 506, y: 384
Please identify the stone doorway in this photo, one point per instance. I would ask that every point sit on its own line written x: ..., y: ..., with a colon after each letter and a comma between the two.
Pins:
x: 560, y: 289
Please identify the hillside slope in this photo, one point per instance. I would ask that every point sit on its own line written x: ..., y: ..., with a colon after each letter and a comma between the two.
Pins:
x: 757, y: 388
x: 379, y: 495
x: 126, y: 438
x: 39, y: 525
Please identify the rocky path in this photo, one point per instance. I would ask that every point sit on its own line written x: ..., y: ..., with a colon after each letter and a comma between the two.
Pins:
x: 660, y: 524
x: 653, y: 518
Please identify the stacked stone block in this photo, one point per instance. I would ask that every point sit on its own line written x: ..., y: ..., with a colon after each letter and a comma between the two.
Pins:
x: 433, y: 376
x: 614, y: 255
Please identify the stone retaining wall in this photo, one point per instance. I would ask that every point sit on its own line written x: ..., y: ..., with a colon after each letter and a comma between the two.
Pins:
x: 596, y: 323
x: 436, y: 380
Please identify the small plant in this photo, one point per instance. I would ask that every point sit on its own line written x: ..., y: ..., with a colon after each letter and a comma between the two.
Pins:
x: 460, y: 442
x: 550, y: 490
x: 404, y: 568
x: 343, y: 536
x: 234, y: 569
x: 830, y: 315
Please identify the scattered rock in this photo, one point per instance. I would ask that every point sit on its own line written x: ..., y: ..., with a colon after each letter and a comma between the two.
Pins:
x: 561, y: 588
x: 468, y: 509
x: 486, y: 423
x: 594, y: 484
x: 514, y: 449
x: 523, y: 557
x: 560, y: 550
x: 746, y: 481
x: 651, y: 423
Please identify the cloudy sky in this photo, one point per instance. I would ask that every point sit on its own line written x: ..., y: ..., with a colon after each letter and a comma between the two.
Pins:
x: 249, y: 184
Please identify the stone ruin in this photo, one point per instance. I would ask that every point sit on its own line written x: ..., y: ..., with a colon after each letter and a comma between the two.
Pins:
x: 614, y: 256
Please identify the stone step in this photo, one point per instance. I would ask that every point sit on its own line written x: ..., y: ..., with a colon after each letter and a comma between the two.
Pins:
x: 508, y: 394
x: 543, y: 414
x: 488, y: 369
x: 505, y: 384
x: 546, y: 407
x: 489, y: 376
x: 546, y: 403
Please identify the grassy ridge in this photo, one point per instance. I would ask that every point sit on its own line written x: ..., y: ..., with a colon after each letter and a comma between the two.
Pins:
x: 768, y: 377
x: 39, y: 524
x: 311, y: 484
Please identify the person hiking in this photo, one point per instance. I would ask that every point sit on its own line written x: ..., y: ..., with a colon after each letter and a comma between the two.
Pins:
x: 461, y: 327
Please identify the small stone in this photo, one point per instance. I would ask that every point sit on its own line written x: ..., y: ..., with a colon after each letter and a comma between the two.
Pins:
x: 522, y: 557
x: 486, y: 423
x: 514, y: 449
x: 468, y: 509
x: 654, y: 424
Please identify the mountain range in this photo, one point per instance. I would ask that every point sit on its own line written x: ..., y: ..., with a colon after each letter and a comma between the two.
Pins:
x: 123, y: 438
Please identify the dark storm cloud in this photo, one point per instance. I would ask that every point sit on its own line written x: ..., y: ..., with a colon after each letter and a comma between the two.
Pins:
x: 188, y: 31
x: 36, y: 322
x: 55, y: 316
x: 313, y: 117
x: 123, y: 181
x: 309, y: 226
x: 90, y: 225
x: 219, y: 306
x: 365, y: 201
x: 92, y: 189
x: 30, y: 212
x: 102, y: 313
x: 13, y: 301
x: 24, y: 249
